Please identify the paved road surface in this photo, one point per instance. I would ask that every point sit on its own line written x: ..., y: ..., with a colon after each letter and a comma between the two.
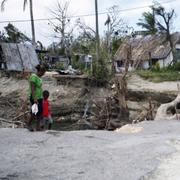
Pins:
x: 149, y: 150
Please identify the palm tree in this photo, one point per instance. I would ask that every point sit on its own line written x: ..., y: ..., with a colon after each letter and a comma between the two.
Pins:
x: 31, y: 16
x: 148, y: 22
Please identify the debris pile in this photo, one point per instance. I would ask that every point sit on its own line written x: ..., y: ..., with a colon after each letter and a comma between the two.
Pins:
x: 13, y: 110
x: 108, y: 114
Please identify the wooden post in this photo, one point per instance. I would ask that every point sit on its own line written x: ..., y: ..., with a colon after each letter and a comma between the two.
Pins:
x: 97, y: 32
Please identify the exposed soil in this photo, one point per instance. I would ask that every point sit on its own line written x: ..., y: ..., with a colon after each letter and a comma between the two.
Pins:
x: 135, y: 82
x: 69, y: 99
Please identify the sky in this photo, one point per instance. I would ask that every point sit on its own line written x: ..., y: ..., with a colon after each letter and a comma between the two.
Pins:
x: 130, y: 12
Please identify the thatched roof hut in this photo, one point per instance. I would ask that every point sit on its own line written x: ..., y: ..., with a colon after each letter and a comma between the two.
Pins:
x: 146, y: 48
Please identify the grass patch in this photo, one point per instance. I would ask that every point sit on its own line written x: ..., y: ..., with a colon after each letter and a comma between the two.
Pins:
x: 159, y: 76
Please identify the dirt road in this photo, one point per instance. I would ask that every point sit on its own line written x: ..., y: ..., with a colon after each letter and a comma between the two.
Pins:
x: 9, y: 85
x: 137, y: 83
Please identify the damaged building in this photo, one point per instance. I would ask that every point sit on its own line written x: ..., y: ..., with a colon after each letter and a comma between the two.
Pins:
x: 18, y: 57
x: 147, y: 51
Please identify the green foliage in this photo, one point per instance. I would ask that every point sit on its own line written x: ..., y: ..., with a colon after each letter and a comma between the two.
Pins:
x: 170, y: 73
x: 173, y: 67
x: 59, y: 66
x: 148, y: 22
x: 155, y: 67
x: 13, y: 35
x: 61, y: 51
x: 84, y: 44
x: 88, y: 72
x: 160, y: 76
x: 41, y: 57
x: 159, y: 20
x: 100, y: 70
x: 115, y: 44
x: 78, y: 64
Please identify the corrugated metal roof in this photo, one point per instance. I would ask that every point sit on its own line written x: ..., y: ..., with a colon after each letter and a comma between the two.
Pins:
x: 19, y: 56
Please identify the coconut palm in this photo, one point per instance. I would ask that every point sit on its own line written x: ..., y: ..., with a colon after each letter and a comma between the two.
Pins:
x: 31, y: 15
x: 148, y: 22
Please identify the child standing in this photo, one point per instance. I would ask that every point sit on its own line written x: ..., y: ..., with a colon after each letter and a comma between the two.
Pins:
x: 47, y: 119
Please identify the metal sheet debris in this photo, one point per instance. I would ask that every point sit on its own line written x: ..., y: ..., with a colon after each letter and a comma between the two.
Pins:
x: 19, y: 57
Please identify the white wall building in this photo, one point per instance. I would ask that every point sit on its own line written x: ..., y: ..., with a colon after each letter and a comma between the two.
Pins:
x: 147, y: 51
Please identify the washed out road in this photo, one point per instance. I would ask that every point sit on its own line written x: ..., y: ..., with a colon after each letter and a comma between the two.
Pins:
x: 148, y: 150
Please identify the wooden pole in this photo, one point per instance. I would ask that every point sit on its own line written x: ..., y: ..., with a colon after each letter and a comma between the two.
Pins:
x: 97, y: 32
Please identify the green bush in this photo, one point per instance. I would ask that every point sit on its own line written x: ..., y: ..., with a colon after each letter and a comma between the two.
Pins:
x: 173, y: 67
x: 61, y: 51
x: 160, y: 76
x: 78, y: 64
x: 59, y: 65
x: 100, y: 70
x: 155, y: 67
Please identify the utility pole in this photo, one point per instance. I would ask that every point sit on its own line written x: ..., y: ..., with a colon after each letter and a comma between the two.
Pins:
x: 108, y: 21
x: 97, y: 32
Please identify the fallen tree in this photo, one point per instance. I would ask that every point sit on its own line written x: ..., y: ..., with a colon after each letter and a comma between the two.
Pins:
x: 168, y: 111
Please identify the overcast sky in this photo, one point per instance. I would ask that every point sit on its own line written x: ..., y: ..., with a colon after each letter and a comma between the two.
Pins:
x: 44, y: 32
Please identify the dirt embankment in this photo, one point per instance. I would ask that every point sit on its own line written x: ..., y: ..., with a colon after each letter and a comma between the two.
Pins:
x: 72, y: 101
x: 68, y: 100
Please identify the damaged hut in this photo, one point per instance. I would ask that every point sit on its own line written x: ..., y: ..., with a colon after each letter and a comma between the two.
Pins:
x: 147, y: 51
x: 17, y: 57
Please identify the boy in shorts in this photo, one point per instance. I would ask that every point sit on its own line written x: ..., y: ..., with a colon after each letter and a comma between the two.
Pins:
x: 47, y: 119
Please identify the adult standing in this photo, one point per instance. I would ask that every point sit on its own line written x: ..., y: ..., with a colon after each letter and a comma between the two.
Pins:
x: 36, y: 96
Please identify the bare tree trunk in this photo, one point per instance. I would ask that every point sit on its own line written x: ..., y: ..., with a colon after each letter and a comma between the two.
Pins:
x: 172, y: 46
x: 121, y: 86
x: 32, y: 22
x: 163, y: 110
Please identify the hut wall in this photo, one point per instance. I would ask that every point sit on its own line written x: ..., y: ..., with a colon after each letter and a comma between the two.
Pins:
x: 166, y: 61
x: 145, y: 64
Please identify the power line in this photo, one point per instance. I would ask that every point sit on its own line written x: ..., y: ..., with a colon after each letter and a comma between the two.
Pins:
x: 83, y: 15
